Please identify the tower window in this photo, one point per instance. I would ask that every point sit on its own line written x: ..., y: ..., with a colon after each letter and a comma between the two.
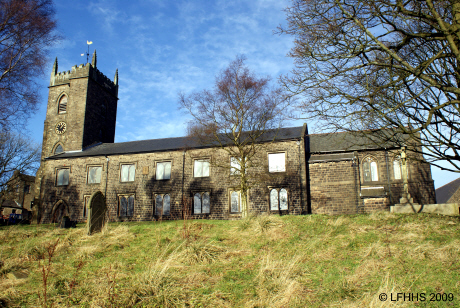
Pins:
x: 58, y: 149
x: 62, y: 108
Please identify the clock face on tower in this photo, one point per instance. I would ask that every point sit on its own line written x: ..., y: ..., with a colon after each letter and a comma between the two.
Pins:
x: 60, y: 128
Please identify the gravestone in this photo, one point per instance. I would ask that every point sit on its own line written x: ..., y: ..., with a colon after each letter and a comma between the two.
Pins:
x: 96, y: 213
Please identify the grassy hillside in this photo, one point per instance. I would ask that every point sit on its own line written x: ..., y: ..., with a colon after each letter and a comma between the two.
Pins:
x: 266, y: 261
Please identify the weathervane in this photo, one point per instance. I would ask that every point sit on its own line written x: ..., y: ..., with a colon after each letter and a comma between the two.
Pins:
x: 87, y: 53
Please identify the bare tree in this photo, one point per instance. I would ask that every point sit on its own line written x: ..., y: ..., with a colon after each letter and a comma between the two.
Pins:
x: 16, y: 154
x: 27, y: 28
x: 379, y: 64
x: 235, y: 116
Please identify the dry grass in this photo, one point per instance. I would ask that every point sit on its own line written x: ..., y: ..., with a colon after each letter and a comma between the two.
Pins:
x: 262, y: 261
x: 199, y: 252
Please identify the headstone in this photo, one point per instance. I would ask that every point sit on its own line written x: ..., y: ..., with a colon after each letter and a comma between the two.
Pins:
x: 66, y: 223
x: 96, y: 213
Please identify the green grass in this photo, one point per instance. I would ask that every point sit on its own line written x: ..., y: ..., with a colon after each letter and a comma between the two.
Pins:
x: 264, y: 261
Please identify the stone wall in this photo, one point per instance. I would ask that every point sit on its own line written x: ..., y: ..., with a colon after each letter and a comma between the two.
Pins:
x: 333, y: 187
x: 338, y: 186
x: 182, y: 183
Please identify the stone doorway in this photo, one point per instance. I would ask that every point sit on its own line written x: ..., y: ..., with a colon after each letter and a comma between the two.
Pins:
x: 60, y: 210
x: 96, y: 213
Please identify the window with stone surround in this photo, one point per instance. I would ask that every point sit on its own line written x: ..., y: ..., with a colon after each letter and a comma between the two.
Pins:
x: 277, y: 162
x: 278, y: 199
x: 163, y: 170
x: 94, y: 174
x: 127, y: 173
x: 62, y: 177
x: 201, y: 168
x: 370, y: 170
x: 162, y: 204
x: 126, y: 205
x: 397, y: 168
x: 201, y: 203
x: 235, y: 201
x: 62, y: 106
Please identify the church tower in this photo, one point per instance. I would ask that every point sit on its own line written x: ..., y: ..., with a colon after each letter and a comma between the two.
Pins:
x: 82, y: 109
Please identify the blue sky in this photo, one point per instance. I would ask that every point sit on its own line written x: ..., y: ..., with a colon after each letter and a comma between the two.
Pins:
x: 165, y: 47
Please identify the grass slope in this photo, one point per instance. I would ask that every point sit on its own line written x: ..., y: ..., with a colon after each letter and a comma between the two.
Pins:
x: 265, y: 261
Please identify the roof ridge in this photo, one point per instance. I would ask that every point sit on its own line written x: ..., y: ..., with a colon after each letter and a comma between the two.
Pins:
x: 354, y: 131
x: 190, y: 136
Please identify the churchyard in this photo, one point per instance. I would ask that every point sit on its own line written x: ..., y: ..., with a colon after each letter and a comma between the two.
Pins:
x: 264, y: 261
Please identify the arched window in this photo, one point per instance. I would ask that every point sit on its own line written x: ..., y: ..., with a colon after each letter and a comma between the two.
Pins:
x: 58, y: 149
x: 370, y: 170
x: 162, y: 204
x: 197, y: 204
x: 123, y: 206
x: 62, y: 107
x: 126, y: 205
x: 159, y: 205
x: 283, y: 199
x: 235, y: 202
x: 201, y: 203
x: 278, y: 199
x: 397, y: 168
x: 166, y: 204
x: 130, y: 211
x: 273, y: 200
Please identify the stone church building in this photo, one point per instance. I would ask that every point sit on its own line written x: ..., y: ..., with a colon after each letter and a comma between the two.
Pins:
x: 297, y: 173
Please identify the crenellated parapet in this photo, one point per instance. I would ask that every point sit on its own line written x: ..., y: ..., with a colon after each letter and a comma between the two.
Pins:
x: 88, y: 70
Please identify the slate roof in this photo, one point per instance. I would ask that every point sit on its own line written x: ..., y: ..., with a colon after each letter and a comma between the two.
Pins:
x: 169, y: 144
x: 444, y: 193
x: 352, y: 141
x: 316, y: 143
